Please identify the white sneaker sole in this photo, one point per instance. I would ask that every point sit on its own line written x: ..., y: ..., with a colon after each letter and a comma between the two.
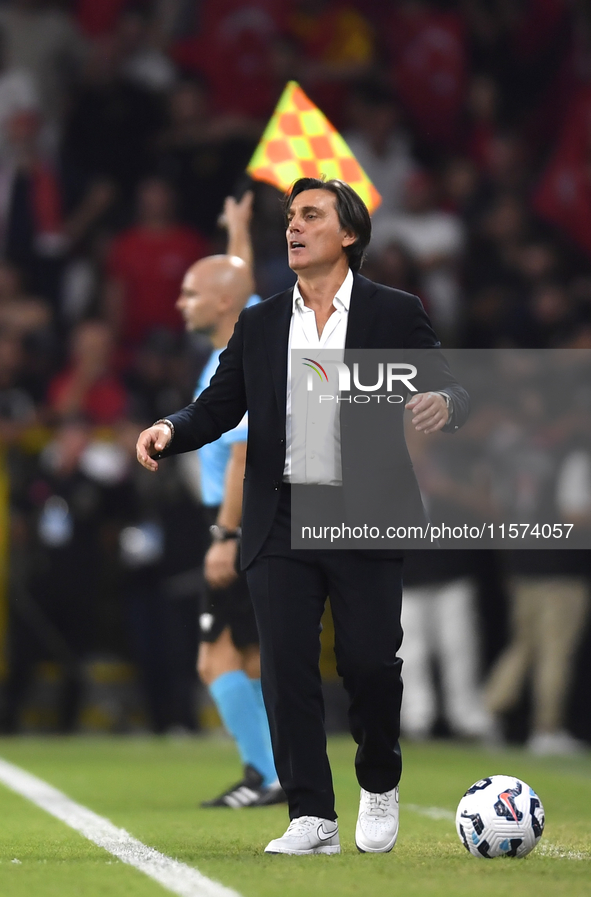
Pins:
x: 336, y: 848
x: 367, y: 849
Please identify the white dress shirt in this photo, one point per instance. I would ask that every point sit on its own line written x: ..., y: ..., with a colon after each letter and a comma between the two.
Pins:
x: 313, y: 451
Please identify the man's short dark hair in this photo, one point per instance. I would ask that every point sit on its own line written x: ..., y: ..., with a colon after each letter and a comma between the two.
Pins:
x: 351, y: 210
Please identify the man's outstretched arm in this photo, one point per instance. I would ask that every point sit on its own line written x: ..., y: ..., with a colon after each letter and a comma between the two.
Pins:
x: 218, y: 409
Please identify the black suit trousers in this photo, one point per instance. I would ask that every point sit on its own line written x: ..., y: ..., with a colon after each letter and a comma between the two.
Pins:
x: 289, y: 589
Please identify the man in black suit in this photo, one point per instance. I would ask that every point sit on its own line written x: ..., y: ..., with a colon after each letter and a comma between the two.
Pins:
x: 332, y: 307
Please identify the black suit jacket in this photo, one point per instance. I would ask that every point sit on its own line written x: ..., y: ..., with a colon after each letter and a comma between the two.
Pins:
x: 252, y: 376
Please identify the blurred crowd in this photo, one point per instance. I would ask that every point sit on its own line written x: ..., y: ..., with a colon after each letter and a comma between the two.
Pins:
x: 123, y: 126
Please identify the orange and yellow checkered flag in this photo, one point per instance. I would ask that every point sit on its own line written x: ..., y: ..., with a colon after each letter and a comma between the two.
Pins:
x: 300, y: 142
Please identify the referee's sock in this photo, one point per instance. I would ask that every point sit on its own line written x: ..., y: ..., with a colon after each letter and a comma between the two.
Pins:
x: 245, y: 720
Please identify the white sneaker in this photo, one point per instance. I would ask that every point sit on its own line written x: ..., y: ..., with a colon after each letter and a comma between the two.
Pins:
x: 307, y: 834
x: 378, y: 821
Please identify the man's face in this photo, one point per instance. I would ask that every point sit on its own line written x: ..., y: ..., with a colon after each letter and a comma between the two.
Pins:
x: 198, y: 301
x: 315, y: 239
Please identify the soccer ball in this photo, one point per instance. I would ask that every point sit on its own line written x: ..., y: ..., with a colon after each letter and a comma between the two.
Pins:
x: 500, y: 817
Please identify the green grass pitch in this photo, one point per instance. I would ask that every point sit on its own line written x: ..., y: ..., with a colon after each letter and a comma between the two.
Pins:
x: 152, y: 787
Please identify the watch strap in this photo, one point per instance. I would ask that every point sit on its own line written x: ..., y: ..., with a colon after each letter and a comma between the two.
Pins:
x: 221, y: 533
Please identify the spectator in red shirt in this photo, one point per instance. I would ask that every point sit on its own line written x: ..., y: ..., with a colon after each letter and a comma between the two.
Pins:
x: 429, y: 57
x: 95, y: 18
x: 231, y: 50
x: 146, y: 265
x: 563, y: 194
x: 89, y: 387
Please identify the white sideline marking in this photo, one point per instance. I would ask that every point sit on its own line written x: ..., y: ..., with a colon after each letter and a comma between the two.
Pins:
x: 431, y: 812
x: 544, y: 848
x: 556, y: 852
x: 186, y: 881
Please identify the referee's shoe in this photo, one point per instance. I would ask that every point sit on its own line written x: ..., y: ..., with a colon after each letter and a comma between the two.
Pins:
x: 249, y: 792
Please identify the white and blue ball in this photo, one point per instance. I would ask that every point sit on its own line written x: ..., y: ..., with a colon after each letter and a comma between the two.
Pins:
x: 500, y: 816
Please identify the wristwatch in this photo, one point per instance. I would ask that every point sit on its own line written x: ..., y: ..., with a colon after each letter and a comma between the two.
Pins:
x: 223, y: 534
x: 449, y: 404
